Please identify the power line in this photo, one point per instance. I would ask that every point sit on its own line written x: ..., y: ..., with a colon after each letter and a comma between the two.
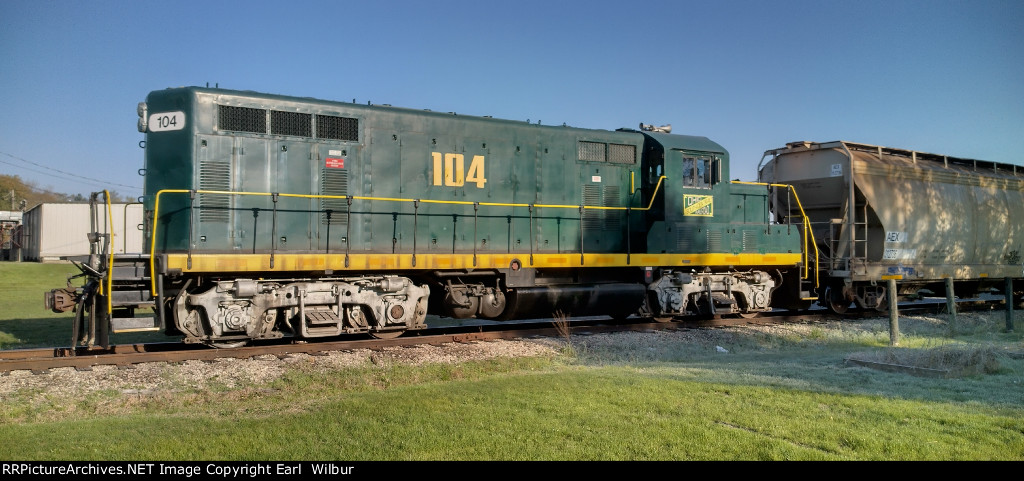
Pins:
x: 50, y: 171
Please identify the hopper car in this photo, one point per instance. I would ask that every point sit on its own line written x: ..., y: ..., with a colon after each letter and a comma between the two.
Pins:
x: 931, y: 222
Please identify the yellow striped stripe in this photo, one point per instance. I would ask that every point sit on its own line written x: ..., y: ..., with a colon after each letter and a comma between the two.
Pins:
x: 336, y: 262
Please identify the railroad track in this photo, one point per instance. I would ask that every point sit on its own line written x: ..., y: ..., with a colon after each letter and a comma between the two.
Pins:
x: 41, y: 360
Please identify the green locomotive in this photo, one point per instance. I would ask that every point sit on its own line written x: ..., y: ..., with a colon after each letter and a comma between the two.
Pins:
x: 270, y: 216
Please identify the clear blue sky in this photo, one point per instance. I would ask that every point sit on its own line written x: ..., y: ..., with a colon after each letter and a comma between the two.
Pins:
x: 937, y: 76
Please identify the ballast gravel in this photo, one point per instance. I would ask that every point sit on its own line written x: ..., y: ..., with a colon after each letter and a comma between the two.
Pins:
x: 230, y: 373
x: 154, y: 377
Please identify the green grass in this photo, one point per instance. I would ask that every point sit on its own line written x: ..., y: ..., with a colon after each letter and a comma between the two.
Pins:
x: 25, y: 322
x: 783, y: 395
x: 538, y: 410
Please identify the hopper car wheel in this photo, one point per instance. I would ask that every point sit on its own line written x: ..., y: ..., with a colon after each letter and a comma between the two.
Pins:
x: 385, y: 335
x: 662, y: 318
x: 746, y: 315
x: 837, y: 303
x: 228, y: 345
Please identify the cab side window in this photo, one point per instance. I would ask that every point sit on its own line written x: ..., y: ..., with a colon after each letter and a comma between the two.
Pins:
x: 699, y: 171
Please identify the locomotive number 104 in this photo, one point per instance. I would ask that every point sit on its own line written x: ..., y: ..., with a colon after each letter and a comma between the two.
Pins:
x: 450, y: 170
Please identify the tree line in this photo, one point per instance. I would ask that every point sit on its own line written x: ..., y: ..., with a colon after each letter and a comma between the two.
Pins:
x: 18, y: 194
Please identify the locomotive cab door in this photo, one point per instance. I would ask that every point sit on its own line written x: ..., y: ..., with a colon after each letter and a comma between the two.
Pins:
x: 689, y: 190
x: 690, y: 185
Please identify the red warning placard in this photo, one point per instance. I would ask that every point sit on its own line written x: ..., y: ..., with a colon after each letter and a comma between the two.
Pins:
x: 334, y: 163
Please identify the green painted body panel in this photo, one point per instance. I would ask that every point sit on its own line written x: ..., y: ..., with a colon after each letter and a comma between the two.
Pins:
x: 424, y: 172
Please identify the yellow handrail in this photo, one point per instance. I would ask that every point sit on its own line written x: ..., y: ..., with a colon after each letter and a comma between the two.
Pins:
x: 808, y: 232
x: 110, y: 255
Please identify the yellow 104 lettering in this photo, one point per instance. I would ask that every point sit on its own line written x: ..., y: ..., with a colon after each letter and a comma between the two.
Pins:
x: 450, y: 170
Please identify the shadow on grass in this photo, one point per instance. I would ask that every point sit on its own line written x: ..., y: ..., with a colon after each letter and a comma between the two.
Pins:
x: 43, y: 332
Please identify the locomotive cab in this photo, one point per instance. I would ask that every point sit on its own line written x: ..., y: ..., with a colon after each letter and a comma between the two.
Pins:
x: 719, y: 230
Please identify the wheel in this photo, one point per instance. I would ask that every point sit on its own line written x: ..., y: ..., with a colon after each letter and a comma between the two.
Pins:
x: 747, y: 315
x: 228, y: 345
x: 662, y: 318
x: 836, y: 302
x: 386, y: 334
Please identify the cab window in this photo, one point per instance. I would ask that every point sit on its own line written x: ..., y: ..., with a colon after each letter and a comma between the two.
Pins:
x: 699, y: 171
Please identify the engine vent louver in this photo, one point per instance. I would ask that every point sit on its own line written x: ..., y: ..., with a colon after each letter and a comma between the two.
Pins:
x: 690, y: 239
x: 602, y: 219
x: 750, y: 243
x: 715, y: 241
x: 333, y: 182
x: 214, y: 175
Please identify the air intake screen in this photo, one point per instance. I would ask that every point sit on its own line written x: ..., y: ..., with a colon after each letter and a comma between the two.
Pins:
x: 602, y: 152
x: 242, y: 119
x: 291, y: 123
x: 621, y: 154
x: 592, y: 151
x: 339, y: 128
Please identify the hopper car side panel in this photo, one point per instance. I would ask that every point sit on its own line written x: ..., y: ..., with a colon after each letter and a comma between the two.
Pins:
x: 882, y: 213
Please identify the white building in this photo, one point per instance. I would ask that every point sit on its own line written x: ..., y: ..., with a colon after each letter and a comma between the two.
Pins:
x: 51, y: 231
x: 10, y: 228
